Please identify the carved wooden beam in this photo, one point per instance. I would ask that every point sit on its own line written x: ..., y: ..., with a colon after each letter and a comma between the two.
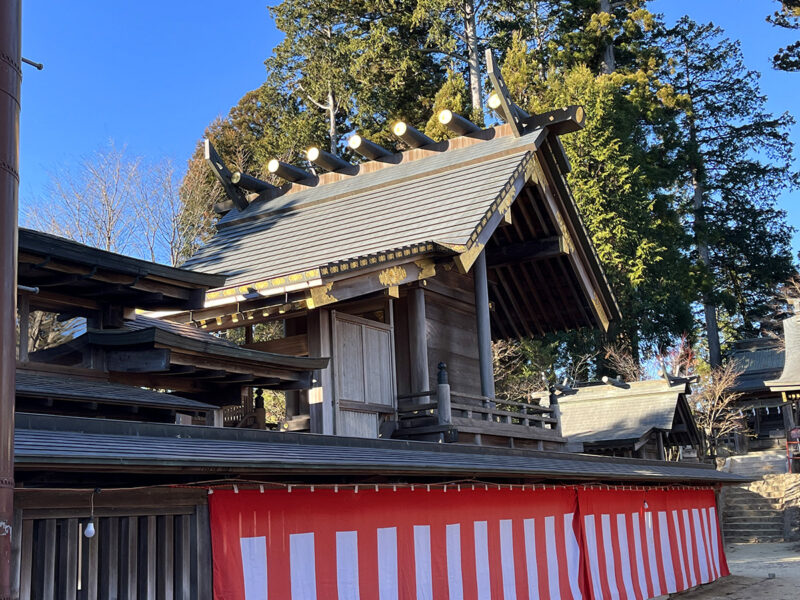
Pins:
x: 223, y: 175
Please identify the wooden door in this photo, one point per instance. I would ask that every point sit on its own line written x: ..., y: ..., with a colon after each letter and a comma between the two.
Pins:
x: 363, y: 355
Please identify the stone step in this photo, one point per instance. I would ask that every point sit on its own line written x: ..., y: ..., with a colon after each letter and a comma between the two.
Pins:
x: 746, y: 539
x: 765, y: 518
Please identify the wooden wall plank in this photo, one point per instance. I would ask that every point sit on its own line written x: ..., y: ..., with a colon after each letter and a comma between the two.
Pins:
x: 49, y: 554
x: 16, y: 551
x: 131, y: 556
x: 166, y: 558
x: 204, y: 563
x: 109, y: 558
x: 26, y: 560
x: 70, y: 548
x: 183, y: 549
x: 151, y: 549
x: 90, y: 566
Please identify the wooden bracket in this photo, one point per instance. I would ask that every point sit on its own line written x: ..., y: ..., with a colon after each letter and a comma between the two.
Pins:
x: 511, y: 110
x: 223, y: 175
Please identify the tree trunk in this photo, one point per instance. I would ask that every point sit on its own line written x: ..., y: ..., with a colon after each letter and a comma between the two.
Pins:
x: 332, y: 119
x: 609, y: 63
x: 709, y: 309
x: 473, y: 59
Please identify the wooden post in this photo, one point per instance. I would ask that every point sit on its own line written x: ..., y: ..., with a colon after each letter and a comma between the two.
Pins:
x: 214, y: 418
x: 484, y: 327
x: 320, y: 397
x: 662, y: 454
x: 10, y: 83
x: 443, y: 397
x: 24, y: 311
x: 418, y: 342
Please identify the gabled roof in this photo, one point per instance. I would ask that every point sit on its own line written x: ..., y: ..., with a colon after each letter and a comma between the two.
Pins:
x: 758, y: 360
x: 433, y: 203
x: 419, y: 210
x: 155, y: 353
x: 70, y: 274
x: 131, y: 447
x: 605, y: 413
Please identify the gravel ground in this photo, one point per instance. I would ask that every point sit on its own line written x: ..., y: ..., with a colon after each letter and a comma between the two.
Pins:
x: 770, y: 571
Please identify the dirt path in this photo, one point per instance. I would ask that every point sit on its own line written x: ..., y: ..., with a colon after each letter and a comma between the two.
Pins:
x: 768, y: 571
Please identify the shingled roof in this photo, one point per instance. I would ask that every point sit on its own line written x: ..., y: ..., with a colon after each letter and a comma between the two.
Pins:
x: 606, y: 413
x: 125, y: 447
x: 439, y: 202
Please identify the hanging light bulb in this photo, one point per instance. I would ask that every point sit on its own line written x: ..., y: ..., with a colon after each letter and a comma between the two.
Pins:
x: 90, y: 530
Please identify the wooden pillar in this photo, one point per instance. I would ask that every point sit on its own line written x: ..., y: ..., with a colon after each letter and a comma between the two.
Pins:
x: 418, y: 342
x: 484, y: 326
x: 662, y: 453
x: 10, y: 83
x: 320, y: 397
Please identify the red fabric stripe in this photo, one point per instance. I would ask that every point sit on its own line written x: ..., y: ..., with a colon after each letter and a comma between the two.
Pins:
x: 520, y: 566
x: 325, y: 562
x: 616, y: 548
x: 495, y: 562
x: 441, y: 588
x: 637, y: 592
x: 368, y: 562
x: 676, y: 554
x: 468, y: 577
x: 541, y: 558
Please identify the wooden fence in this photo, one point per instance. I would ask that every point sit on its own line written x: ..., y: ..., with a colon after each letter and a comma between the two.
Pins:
x: 160, y: 549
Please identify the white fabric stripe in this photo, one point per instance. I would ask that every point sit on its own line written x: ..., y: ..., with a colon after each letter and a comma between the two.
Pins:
x: 679, y: 541
x: 712, y: 571
x: 254, y: 567
x: 666, y: 552
x: 651, y: 553
x: 553, y: 572
x: 608, y: 552
x: 387, y: 563
x: 301, y: 566
x: 687, y: 530
x: 713, y: 525
x: 422, y: 562
x: 700, y: 546
x: 347, y: 565
x: 529, y: 527
x: 573, y: 557
x: 507, y: 560
x: 482, y: 560
x: 454, y: 576
x: 607, y: 545
x: 637, y: 544
x: 591, y: 548
x: 625, y: 556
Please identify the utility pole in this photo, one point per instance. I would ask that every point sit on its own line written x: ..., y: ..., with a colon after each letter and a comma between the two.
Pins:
x: 10, y: 83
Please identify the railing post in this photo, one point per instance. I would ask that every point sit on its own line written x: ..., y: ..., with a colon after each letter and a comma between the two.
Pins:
x: 443, y: 396
x: 555, y: 408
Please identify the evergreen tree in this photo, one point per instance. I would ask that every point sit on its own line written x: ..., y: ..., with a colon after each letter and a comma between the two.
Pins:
x: 735, y: 160
x: 787, y: 17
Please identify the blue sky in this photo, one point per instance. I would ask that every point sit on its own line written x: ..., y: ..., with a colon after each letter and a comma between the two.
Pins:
x: 152, y: 75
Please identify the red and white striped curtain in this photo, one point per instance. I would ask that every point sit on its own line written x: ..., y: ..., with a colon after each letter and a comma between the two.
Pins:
x: 462, y: 542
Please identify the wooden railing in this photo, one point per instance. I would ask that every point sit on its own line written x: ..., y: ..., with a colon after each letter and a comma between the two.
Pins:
x: 473, y: 414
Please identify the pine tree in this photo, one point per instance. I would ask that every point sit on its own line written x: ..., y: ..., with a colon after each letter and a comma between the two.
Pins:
x: 735, y: 160
x: 788, y: 17
x: 452, y: 96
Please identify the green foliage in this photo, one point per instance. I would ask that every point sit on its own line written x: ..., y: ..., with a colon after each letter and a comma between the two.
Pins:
x: 345, y: 66
x: 787, y: 17
x: 452, y: 96
x: 734, y: 159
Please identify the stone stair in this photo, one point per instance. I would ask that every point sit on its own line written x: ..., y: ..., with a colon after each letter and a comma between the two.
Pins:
x: 752, y: 516
x: 753, y: 512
